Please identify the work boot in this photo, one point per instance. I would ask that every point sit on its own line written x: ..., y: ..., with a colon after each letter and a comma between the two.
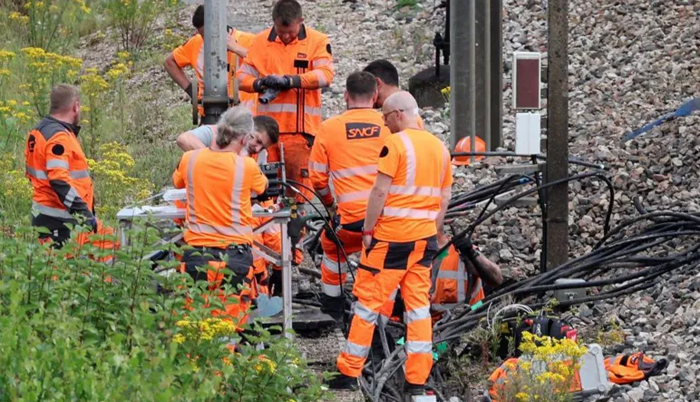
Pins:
x: 413, y: 389
x: 343, y: 381
x: 333, y: 306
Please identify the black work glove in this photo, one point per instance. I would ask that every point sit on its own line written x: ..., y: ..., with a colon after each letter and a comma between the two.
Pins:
x: 276, y: 282
x: 188, y: 91
x: 465, y: 247
x: 277, y: 82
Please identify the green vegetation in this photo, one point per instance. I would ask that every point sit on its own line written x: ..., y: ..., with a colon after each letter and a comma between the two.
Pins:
x: 92, y: 321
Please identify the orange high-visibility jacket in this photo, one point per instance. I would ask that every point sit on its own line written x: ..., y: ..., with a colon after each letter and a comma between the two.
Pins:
x: 191, y: 53
x: 420, y: 167
x: 452, y: 282
x: 308, y: 59
x: 347, y: 149
x: 58, y: 170
x: 219, y: 186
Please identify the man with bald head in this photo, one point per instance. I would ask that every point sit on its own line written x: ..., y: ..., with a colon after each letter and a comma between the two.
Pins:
x: 405, y: 212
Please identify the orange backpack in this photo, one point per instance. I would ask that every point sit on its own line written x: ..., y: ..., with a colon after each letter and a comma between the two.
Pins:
x: 625, y: 369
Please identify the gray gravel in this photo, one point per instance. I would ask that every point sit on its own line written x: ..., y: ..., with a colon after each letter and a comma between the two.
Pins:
x: 630, y: 62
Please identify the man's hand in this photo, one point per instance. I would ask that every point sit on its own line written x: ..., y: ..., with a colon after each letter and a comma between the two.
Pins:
x: 366, y: 241
x: 277, y: 82
x: 188, y: 91
x: 465, y: 247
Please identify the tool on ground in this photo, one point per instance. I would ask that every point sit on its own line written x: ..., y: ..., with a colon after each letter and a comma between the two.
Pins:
x: 684, y: 110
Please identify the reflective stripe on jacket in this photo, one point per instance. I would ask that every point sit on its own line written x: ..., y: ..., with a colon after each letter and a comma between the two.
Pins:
x: 452, y: 283
x: 346, y: 149
x: 419, y: 165
x: 219, y: 186
x: 58, y: 171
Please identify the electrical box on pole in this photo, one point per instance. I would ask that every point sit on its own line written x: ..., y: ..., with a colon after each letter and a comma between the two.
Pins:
x: 216, y: 97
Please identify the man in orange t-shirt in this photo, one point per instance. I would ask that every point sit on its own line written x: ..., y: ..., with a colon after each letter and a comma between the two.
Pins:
x: 191, y: 54
x: 405, y: 212
x: 219, y: 215
x: 346, y: 150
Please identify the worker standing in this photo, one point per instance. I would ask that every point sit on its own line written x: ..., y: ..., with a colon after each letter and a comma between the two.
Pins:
x: 293, y: 62
x: 219, y: 216
x: 58, y: 169
x: 346, y: 149
x: 405, y: 212
x: 387, y: 82
x: 191, y: 54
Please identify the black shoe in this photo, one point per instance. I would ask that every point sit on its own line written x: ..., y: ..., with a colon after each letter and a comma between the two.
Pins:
x: 343, y: 381
x: 333, y: 306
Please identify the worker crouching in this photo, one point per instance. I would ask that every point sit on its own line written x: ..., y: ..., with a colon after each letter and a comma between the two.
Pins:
x: 219, y: 219
x: 405, y: 211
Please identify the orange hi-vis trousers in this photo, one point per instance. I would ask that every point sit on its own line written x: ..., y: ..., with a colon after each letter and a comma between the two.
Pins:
x: 334, y: 266
x: 385, y: 266
x: 240, y: 262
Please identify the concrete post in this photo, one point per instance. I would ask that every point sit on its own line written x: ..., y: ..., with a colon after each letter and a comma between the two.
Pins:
x: 557, y: 135
x: 495, y: 140
x: 483, y: 72
x: 462, y: 71
x: 215, y: 99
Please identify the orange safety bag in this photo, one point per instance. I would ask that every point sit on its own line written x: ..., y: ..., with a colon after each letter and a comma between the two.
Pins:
x: 625, y: 369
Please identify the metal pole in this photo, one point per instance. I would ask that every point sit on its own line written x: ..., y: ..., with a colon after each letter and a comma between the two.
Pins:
x: 495, y: 140
x: 557, y: 135
x: 483, y: 72
x: 215, y: 99
x: 462, y: 71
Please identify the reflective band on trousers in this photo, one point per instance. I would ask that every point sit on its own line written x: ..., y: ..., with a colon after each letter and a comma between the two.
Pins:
x: 410, y: 213
x: 319, y: 167
x: 334, y: 266
x: 366, y: 314
x: 420, y: 313
x: 354, y: 196
x: 235, y: 228
x: 287, y: 108
x: 353, y: 171
x: 356, y: 350
x: 49, y: 211
x: 419, y: 347
x: 331, y: 290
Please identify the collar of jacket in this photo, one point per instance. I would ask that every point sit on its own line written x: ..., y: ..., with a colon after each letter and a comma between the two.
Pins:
x: 75, y: 129
x: 273, y: 34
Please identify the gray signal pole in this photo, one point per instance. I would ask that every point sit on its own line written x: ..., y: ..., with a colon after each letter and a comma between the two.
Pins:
x: 215, y: 99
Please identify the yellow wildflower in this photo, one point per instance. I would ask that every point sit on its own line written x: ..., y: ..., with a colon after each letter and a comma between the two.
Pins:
x: 178, y: 338
x: 6, y: 55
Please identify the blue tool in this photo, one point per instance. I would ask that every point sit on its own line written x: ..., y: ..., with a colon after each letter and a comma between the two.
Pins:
x: 267, y: 306
x: 684, y: 110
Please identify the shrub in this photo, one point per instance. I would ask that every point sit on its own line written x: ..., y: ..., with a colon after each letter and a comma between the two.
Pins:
x: 49, y: 24
x: 77, y: 329
x: 135, y: 20
x: 114, y: 184
x: 15, y: 189
x: 545, y: 371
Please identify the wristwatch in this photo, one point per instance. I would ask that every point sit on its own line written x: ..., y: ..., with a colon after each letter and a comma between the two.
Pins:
x: 367, y: 232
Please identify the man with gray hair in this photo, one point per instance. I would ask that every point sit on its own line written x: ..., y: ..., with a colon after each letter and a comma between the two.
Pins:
x: 219, y: 215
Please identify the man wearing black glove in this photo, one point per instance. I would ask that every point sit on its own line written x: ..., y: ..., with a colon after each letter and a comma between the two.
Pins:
x: 455, y: 285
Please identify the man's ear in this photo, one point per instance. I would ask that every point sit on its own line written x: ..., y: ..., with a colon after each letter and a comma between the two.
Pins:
x: 346, y: 96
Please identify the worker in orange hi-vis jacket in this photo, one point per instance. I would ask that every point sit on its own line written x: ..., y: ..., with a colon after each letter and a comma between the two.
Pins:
x: 455, y: 269
x: 346, y: 150
x: 219, y: 184
x: 387, y: 82
x: 191, y: 54
x: 294, y: 62
x: 405, y: 212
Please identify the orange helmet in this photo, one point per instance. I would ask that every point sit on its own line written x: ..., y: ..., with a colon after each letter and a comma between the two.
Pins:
x: 464, y: 145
